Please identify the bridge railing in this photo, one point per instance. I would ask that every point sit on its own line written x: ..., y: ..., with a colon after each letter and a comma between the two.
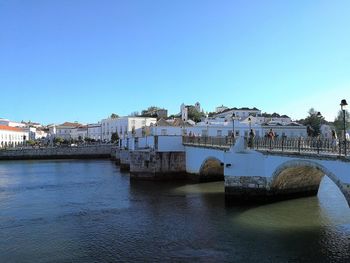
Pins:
x: 206, y: 141
x: 299, y: 145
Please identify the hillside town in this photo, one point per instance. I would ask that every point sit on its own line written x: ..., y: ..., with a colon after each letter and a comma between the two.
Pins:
x: 191, y: 121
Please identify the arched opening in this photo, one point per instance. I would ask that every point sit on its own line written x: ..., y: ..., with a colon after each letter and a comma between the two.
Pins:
x: 212, y: 169
x: 300, y: 178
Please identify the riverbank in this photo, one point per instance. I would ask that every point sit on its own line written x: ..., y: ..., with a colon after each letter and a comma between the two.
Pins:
x: 77, y: 152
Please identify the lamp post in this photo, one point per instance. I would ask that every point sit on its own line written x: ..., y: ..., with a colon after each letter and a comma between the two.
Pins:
x: 343, y: 105
x: 207, y: 123
x: 233, y: 124
x: 250, y: 123
x: 319, y: 115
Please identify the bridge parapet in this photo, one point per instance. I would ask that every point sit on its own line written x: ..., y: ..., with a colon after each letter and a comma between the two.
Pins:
x: 301, y: 146
x: 223, y: 143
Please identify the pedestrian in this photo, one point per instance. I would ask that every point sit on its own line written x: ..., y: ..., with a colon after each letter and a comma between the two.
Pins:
x: 334, y: 141
x: 251, y: 138
x: 271, y: 136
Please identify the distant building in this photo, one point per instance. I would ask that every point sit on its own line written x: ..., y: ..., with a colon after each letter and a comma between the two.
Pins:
x: 184, y: 110
x: 108, y: 127
x: 66, y: 130
x: 79, y: 133
x: 162, y: 113
x: 12, y: 136
x: 7, y: 122
x: 220, y: 109
x: 289, y: 130
x: 275, y: 117
x: 125, y: 126
x: 35, y: 133
x: 94, y: 131
x: 240, y: 113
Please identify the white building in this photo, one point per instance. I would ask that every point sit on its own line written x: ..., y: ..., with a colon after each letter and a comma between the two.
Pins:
x: 289, y: 130
x: 31, y: 132
x: 125, y: 126
x: 94, y: 131
x: 222, y: 127
x: 79, y: 133
x: 35, y: 133
x: 108, y: 127
x: 184, y: 110
x: 7, y: 122
x: 12, y: 136
x: 40, y: 133
x: 240, y: 113
x: 221, y: 108
x: 66, y: 130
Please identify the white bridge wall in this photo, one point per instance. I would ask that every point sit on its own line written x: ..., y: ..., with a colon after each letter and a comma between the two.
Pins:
x: 196, y: 156
x: 252, y: 163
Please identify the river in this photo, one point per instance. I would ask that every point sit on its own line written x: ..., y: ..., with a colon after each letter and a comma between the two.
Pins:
x: 88, y: 211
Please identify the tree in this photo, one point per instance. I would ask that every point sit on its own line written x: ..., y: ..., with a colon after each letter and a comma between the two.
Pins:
x: 150, y: 112
x: 114, y: 116
x: 195, y: 115
x: 134, y: 114
x: 339, y: 122
x: 115, y: 137
x: 58, y: 140
x: 31, y: 142
x: 313, y: 122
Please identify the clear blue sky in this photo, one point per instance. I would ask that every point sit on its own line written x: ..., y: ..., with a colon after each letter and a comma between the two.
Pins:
x: 80, y: 60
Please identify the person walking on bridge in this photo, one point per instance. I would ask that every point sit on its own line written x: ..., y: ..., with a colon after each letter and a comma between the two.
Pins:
x: 251, y: 138
x: 334, y: 141
x: 271, y: 136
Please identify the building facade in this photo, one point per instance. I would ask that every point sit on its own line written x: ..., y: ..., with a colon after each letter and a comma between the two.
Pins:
x: 66, y: 130
x: 94, y: 131
x: 12, y: 136
x: 125, y: 126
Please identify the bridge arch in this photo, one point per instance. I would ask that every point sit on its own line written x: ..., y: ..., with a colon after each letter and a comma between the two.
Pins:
x: 212, y: 169
x: 301, y: 178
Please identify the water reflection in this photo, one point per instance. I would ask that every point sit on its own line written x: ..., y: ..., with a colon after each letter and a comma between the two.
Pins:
x: 87, y: 211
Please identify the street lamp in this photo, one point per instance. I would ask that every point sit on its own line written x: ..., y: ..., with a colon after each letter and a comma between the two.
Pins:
x: 343, y: 105
x: 233, y: 124
x: 319, y: 115
x: 250, y: 123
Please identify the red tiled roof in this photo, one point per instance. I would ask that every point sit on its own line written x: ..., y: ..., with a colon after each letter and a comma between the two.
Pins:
x: 9, y: 128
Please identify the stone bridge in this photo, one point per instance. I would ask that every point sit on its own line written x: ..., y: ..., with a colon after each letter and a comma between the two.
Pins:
x: 267, y: 175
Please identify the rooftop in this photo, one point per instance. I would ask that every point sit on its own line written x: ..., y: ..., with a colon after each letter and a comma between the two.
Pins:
x: 9, y: 128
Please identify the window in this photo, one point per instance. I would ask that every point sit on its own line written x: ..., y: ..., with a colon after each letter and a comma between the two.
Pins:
x: 163, y: 132
x: 219, y: 133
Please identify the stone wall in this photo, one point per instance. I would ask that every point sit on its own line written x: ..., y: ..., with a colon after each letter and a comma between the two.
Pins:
x: 151, y: 165
x: 124, y: 160
x: 256, y: 189
x: 117, y: 156
x: 113, y: 153
x: 83, y: 152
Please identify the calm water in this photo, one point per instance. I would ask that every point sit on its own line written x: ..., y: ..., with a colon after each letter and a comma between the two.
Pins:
x: 87, y: 211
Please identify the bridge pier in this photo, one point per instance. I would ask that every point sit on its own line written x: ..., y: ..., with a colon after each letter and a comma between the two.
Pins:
x: 124, y: 160
x: 117, y: 156
x: 155, y: 165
